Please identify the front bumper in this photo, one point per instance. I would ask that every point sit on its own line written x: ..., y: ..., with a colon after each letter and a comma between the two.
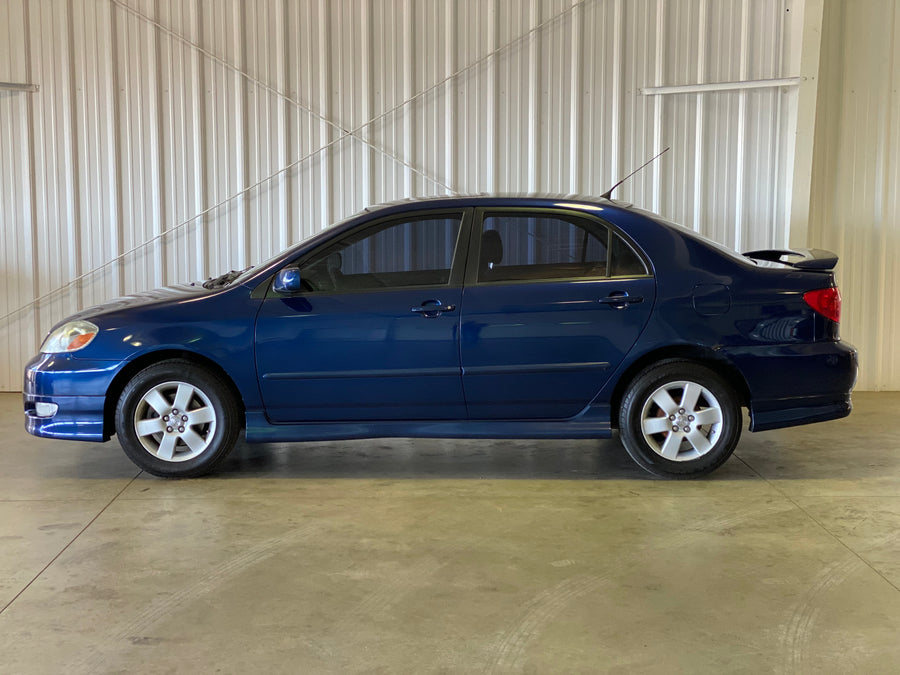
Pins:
x: 77, y: 387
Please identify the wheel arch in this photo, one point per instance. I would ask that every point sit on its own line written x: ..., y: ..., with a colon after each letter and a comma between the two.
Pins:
x: 695, y: 353
x: 117, y: 386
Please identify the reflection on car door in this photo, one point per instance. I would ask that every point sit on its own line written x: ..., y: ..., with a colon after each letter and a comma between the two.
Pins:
x: 376, y: 334
x: 551, y: 308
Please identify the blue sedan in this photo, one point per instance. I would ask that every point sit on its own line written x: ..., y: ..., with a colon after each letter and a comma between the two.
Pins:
x: 476, y: 317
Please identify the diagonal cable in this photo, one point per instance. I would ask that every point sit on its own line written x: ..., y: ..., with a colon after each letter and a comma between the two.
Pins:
x: 352, y: 133
x: 272, y: 90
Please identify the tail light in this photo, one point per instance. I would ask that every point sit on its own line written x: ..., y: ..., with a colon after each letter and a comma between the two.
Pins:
x: 826, y: 301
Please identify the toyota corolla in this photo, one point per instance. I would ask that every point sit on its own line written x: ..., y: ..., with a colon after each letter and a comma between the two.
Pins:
x: 476, y: 317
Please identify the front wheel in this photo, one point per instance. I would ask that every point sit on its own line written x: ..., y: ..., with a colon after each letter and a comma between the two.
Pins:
x: 679, y: 419
x: 177, y: 420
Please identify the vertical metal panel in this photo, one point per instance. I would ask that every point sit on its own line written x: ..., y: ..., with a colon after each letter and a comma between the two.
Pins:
x: 171, y: 140
x: 855, y: 207
x: 16, y: 198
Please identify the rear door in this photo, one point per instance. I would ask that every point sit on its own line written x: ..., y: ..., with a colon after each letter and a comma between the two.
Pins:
x: 553, y: 301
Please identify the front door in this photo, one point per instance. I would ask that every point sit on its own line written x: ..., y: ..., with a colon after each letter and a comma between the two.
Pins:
x: 375, y: 336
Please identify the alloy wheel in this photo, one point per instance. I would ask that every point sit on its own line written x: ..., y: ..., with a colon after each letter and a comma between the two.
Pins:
x: 681, y: 421
x: 175, y: 421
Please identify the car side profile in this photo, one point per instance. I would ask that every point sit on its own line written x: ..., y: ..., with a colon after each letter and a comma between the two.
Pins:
x: 461, y: 317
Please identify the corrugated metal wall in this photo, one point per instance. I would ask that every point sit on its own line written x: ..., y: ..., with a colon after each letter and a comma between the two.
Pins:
x: 855, y: 204
x: 171, y: 140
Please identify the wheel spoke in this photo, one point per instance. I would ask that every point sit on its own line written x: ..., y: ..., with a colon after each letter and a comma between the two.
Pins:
x: 670, y: 447
x: 157, y: 401
x: 691, y: 395
x: 167, y: 447
x: 150, y: 427
x: 201, y: 416
x: 708, y: 416
x: 193, y: 440
x: 664, y: 400
x: 656, y: 425
x: 699, y: 441
x: 183, y: 396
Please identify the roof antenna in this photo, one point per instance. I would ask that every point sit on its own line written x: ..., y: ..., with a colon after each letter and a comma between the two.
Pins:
x: 608, y: 193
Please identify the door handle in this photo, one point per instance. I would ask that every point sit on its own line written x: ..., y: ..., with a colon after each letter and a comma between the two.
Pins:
x: 432, y: 308
x: 621, y: 299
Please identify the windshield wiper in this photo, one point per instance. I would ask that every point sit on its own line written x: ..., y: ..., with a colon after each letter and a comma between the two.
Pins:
x: 223, y: 280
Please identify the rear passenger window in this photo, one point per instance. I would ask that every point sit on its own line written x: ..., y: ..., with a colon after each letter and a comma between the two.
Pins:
x: 521, y: 247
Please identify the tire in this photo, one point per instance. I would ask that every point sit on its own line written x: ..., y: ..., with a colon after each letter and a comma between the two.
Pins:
x: 679, y: 419
x: 176, y: 419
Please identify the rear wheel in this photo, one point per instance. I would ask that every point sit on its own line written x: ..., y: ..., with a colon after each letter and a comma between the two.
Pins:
x: 176, y: 419
x: 679, y: 419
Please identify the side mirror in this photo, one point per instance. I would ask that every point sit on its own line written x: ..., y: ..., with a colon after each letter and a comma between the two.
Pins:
x: 288, y: 281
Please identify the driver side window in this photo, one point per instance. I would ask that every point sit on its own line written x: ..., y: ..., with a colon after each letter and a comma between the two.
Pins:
x: 396, y: 254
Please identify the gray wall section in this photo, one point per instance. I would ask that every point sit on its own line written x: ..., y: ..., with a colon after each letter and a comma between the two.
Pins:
x: 173, y: 140
x: 855, y: 200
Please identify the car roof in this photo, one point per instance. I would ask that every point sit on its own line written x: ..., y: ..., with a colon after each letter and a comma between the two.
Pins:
x: 492, y: 199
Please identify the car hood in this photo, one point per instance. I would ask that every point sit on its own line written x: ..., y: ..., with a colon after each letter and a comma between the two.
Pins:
x: 157, y: 296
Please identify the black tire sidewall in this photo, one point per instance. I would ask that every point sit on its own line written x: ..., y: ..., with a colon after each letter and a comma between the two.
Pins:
x: 221, y: 399
x: 651, y: 379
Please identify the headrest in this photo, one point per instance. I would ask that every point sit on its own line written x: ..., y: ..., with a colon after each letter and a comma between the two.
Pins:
x: 334, y: 261
x: 491, y: 248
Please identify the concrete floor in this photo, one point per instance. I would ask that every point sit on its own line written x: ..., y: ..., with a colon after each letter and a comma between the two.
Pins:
x: 451, y: 556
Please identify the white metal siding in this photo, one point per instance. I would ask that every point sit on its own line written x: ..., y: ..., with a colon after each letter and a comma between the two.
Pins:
x: 17, y: 236
x: 171, y: 140
x: 855, y: 203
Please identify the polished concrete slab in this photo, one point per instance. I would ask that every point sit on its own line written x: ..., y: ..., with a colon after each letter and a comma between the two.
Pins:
x: 430, y: 556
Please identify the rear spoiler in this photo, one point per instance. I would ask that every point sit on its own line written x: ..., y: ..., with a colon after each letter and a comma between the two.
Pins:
x: 802, y: 259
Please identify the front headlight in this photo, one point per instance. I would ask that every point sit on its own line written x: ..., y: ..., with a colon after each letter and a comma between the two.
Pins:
x: 70, y: 337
